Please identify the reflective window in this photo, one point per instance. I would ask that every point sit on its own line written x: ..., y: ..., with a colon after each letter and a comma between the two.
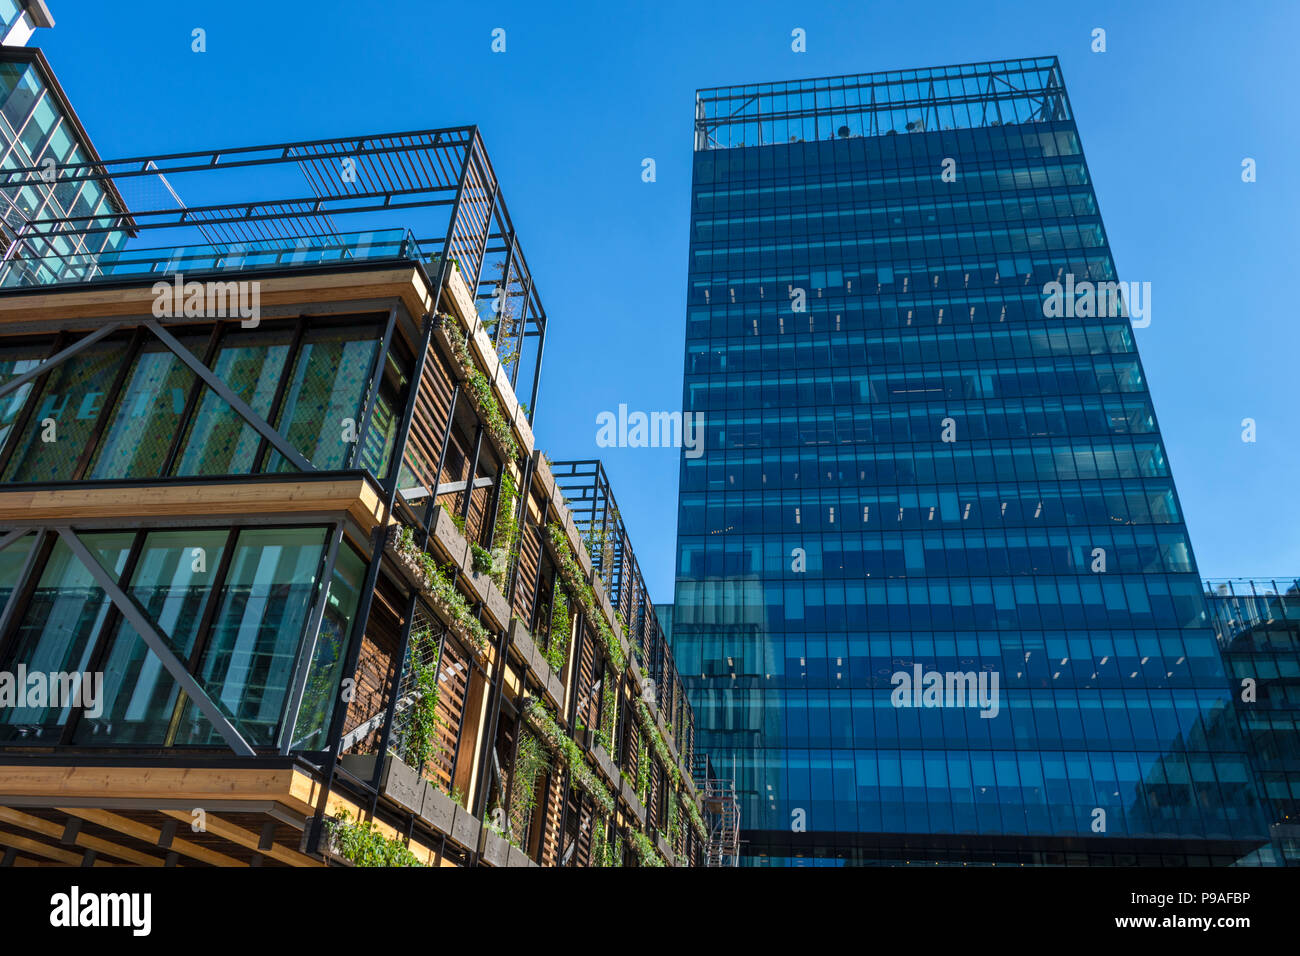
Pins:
x: 172, y: 580
x: 55, y: 633
x: 143, y: 424
x: 323, y: 681
x: 323, y: 405
x: 219, y: 441
x: 50, y: 447
x: 262, y: 608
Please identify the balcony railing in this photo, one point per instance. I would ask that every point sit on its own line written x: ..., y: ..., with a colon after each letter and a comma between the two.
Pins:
x: 208, y: 258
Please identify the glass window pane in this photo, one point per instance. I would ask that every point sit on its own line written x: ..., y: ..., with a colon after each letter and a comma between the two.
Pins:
x: 323, y: 681
x: 142, y: 426
x: 66, y: 411
x: 12, y: 560
x: 264, y: 603
x: 219, y: 441
x: 384, y: 422
x: 172, y: 581
x: 13, y: 362
x: 57, y: 632
x: 328, y: 383
x: 19, y: 86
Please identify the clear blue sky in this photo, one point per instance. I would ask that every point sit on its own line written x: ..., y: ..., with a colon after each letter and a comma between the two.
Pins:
x: 584, y: 91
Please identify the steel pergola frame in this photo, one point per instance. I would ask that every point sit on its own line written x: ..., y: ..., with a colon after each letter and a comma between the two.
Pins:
x: 310, y: 191
x: 586, y: 488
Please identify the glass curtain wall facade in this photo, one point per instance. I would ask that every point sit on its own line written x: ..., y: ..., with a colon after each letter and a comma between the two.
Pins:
x: 39, y: 129
x: 234, y: 602
x: 1257, y: 623
x: 911, y: 469
x: 128, y: 408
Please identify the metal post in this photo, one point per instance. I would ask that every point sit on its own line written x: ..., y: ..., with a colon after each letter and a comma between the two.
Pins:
x: 525, y: 496
x: 372, y: 389
x: 473, y: 472
x: 489, y: 742
x: 349, y: 668
x: 442, y: 461
x: 537, y: 373
x: 395, y: 687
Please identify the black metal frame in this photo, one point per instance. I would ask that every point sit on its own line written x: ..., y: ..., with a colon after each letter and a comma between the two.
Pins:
x: 585, y: 486
x: 378, y: 181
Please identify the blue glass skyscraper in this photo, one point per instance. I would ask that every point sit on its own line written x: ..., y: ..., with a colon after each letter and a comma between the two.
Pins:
x: 935, y: 596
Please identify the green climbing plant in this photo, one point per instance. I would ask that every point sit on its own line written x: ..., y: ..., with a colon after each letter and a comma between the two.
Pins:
x: 571, y: 574
x: 480, y: 389
x: 439, y: 584
x: 363, y: 845
x: 608, y: 711
x: 531, y: 760
x: 581, y: 776
x: 557, y: 649
x: 422, y: 723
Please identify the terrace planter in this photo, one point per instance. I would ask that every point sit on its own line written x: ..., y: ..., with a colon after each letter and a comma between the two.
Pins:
x: 537, y: 663
x: 606, y: 764
x: 448, y: 615
x: 465, y: 827
x: 439, y: 809
x: 580, y: 550
x: 664, y: 849
x: 398, y: 782
x: 555, y: 686
x: 496, y: 850
x: 450, y: 539
x: 521, y: 638
x: 663, y: 732
x: 631, y: 799
x: 543, y: 473
x: 518, y: 857
x: 602, y: 598
x: 493, y: 601
x: 522, y: 428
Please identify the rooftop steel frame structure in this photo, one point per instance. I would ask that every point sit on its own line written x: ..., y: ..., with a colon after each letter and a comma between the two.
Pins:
x: 429, y: 196
x: 965, y: 96
x: 586, y: 489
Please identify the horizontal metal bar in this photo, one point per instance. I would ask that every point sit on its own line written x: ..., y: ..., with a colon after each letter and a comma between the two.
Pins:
x: 418, y: 492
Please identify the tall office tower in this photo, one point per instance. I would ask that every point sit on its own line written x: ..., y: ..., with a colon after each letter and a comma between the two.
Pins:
x: 1257, y: 623
x: 935, y: 596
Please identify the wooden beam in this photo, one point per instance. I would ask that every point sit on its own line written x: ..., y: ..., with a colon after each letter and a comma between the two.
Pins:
x: 36, y: 847
x: 71, y: 307
x: 51, y: 829
x: 148, y: 788
x: 142, y: 831
x: 178, y: 500
x: 248, y: 839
